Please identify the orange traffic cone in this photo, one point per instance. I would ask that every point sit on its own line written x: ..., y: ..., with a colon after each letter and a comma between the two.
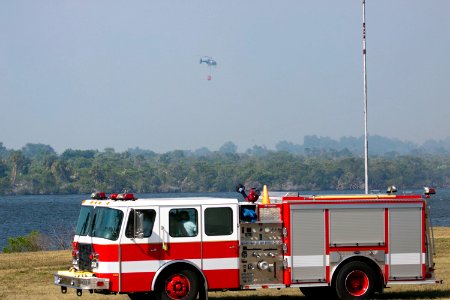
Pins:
x: 265, y: 198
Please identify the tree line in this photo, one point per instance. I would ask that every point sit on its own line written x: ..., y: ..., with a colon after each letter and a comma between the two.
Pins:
x: 38, y: 169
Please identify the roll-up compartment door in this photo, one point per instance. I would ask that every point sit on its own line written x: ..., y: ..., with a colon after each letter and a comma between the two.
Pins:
x: 308, y: 245
x: 405, y: 242
x: 356, y: 226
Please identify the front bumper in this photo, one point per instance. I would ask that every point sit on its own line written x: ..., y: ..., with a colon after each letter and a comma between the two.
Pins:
x: 80, y: 280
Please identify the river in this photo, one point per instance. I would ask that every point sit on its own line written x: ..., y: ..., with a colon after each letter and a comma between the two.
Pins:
x: 55, y: 216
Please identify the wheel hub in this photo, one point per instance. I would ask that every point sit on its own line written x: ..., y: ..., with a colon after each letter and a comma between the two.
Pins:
x: 177, y: 286
x: 357, y: 283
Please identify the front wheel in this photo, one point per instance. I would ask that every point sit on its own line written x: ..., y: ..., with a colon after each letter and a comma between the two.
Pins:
x: 356, y: 280
x: 177, y: 285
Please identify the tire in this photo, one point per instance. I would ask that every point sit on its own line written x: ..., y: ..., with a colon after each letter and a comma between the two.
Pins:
x: 177, y: 285
x: 319, y: 293
x: 356, y: 280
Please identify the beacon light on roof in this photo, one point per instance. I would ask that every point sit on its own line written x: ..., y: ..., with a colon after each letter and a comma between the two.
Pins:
x: 124, y: 196
x: 98, y: 196
x: 391, y: 189
x: 429, y: 190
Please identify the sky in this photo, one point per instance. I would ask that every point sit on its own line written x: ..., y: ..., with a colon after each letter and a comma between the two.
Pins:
x: 125, y: 74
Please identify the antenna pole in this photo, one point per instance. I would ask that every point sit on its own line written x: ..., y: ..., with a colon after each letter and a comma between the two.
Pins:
x: 366, y: 143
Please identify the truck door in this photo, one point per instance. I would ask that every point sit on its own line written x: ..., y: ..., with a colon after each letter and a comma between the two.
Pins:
x: 220, y: 246
x: 180, y: 234
x: 139, y: 252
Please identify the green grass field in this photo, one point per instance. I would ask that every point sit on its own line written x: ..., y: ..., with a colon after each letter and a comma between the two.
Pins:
x: 29, y: 276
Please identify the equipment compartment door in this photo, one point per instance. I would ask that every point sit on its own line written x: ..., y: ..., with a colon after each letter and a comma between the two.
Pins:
x: 308, y: 245
x: 405, y: 243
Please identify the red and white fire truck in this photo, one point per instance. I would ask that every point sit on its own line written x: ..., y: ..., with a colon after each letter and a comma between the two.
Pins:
x: 348, y: 246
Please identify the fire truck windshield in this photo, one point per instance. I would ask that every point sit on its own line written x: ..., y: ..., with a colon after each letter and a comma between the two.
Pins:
x: 102, y: 222
x: 84, y: 220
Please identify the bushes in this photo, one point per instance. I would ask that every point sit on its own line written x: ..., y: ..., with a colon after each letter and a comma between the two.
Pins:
x: 28, y: 243
x: 59, y: 239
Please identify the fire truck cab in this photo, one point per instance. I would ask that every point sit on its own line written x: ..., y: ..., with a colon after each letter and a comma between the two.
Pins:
x: 349, y: 246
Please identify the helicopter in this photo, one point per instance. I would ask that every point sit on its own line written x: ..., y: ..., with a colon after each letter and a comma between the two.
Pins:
x: 208, y: 60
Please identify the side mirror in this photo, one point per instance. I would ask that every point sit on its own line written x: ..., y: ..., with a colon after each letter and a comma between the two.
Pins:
x: 138, y: 226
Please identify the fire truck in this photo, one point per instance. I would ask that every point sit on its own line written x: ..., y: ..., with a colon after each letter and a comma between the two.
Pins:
x: 341, y: 246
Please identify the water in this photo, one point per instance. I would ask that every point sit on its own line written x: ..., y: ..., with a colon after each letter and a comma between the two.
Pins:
x: 56, y: 216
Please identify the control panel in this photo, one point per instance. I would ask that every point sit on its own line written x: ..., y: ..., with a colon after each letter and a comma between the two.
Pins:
x: 261, y: 253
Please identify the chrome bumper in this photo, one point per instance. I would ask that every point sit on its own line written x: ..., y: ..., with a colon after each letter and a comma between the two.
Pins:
x: 80, y: 280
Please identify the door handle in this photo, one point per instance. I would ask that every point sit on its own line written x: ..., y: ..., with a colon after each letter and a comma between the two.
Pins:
x: 153, y: 250
x: 165, y: 245
x: 232, y: 247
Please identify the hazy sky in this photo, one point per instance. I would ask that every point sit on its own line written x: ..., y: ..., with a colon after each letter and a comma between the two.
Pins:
x: 125, y: 74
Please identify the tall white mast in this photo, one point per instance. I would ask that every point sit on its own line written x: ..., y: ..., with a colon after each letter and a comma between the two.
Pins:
x: 366, y: 142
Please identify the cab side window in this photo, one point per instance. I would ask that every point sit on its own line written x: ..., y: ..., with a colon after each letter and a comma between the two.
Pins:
x: 218, y: 221
x: 183, y: 222
x: 149, y: 220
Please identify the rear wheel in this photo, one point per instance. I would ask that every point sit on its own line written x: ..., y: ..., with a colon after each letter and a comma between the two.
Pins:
x: 178, y: 285
x: 356, y: 280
